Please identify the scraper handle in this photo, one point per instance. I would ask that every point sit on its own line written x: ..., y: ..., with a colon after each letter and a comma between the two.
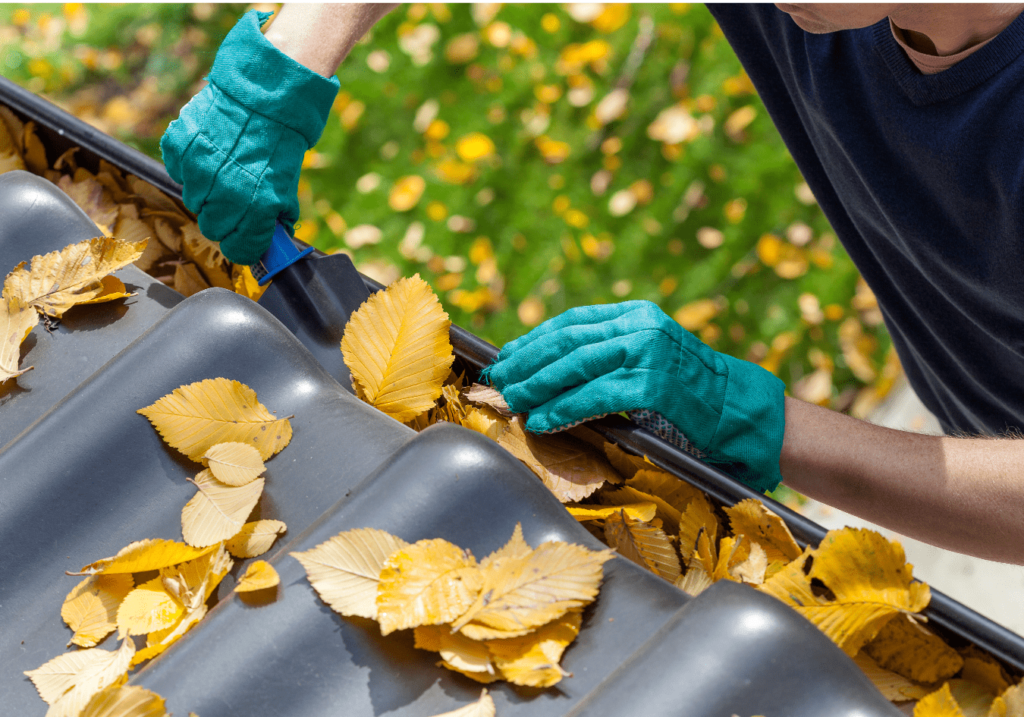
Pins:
x: 281, y: 254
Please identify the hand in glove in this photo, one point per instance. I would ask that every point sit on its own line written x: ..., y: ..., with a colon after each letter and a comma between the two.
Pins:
x: 595, y: 360
x: 237, y: 146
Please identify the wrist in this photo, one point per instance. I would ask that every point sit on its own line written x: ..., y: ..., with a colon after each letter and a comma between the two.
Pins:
x: 261, y: 78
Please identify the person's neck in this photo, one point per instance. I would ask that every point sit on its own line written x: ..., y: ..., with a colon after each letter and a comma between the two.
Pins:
x: 948, y: 28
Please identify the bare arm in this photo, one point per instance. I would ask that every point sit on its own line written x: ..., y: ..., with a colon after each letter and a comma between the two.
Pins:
x: 964, y: 494
x: 320, y: 36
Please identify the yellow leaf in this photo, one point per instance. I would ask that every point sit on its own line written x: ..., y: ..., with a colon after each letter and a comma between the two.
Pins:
x: 245, y: 283
x: 90, y: 609
x: 125, y: 701
x: 1010, y: 703
x: 869, y: 582
x: 695, y: 581
x: 913, y: 651
x: 893, y: 687
x: 430, y: 582
x: 706, y: 554
x: 982, y: 668
x: 625, y: 463
x: 68, y: 681
x: 188, y: 280
x: 732, y: 551
x: 144, y: 555
x: 345, y: 570
x: 644, y: 544
x: 532, y: 660
x: 148, y: 608
x: 973, y: 699
x: 673, y: 491
x: 198, y: 416
x: 57, y: 281
x: 485, y: 420
x: 459, y: 652
x: 474, y: 146
x: 234, y: 463
x: 534, y: 589
x: 516, y: 547
x: 10, y: 162
x: 396, y: 346
x: 217, y: 511
x: 750, y: 518
x: 111, y: 288
x: 628, y: 494
x: 193, y: 582
x: 158, y: 642
x: 570, y: 468
x: 643, y: 512
x: 751, y: 570
x: 406, y: 193
x: 938, y: 704
x: 255, y: 538
x: 35, y: 152
x: 484, y: 707
x: 16, y: 322
x: 258, y: 576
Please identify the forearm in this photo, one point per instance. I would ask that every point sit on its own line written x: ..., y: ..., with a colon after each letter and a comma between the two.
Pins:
x: 964, y: 494
x: 320, y: 36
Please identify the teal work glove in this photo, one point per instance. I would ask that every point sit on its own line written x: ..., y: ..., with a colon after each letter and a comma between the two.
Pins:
x: 237, y: 146
x: 595, y: 360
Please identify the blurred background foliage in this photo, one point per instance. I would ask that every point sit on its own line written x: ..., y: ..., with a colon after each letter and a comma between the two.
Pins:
x: 525, y: 159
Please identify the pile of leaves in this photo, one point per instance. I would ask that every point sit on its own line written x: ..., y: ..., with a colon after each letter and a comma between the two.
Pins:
x: 856, y: 586
x: 131, y: 210
x: 508, y: 617
x: 161, y: 588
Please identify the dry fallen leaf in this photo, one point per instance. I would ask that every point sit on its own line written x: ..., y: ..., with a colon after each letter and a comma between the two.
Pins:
x: 750, y: 570
x: 258, y: 576
x: 643, y: 512
x: 255, y: 538
x: 144, y: 555
x: 523, y: 592
x: 516, y: 547
x: 218, y: 510
x: 245, y: 283
x: 90, y: 609
x: 234, y: 463
x: 938, y: 704
x: 196, y: 417
x: 148, y: 608
x: 345, y: 570
x: 627, y: 494
x: 68, y: 681
x: 485, y: 420
x: 188, y: 281
x: 869, y: 578
x: 125, y: 701
x: 532, y: 660
x: 895, y: 688
x: 1010, y: 703
x: 396, y: 346
x: 458, y: 652
x: 570, y: 468
x: 644, y: 544
x: 484, y: 707
x: 430, y: 582
x: 752, y: 519
x: 913, y: 651
x: 57, y: 281
x: 490, y: 397
x: 16, y: 322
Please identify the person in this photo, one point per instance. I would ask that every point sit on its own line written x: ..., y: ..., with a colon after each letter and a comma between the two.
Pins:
x: 904, y: 120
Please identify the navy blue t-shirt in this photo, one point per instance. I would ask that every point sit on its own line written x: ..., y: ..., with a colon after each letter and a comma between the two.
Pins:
x: 921, y: 177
